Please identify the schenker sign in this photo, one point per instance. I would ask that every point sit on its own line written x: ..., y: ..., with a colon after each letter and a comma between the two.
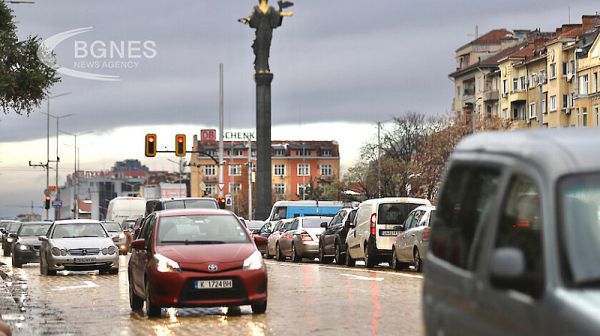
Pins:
x: 211, y: 134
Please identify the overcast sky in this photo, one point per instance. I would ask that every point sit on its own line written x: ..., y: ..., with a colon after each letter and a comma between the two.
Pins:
x: 339, y: 67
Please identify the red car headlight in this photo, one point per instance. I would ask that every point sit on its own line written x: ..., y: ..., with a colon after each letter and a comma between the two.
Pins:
x: 164, y: 264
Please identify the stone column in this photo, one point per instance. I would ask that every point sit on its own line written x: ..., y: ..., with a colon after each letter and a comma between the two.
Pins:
x: 263, y: 145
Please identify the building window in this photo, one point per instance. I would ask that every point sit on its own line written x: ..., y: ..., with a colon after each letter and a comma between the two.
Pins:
x: 516, y: 113
x: 523, y: 83
x: 235, y: 187
x: 253, y: 153
x: 565, y: 102
x: 572, y: 99
x: 326, y: 169
x: 531, y: 81
x: 584, y: 85
x: 532, y: 111
x: 279, y: 189
x: 239, y: 152
x: 210, y: 189
x: 595, y: 82
x: 301, y: 188
x: 279, y: 152
x: 307, y: 152
x: 543, y: 74
x: 495, y: 84
x: 504, y: 86
x: 505, y: 113
x: 279, y: 170
x: 303, y: 169
x: 565, y: 68
x: 235, y: 170
x: 458, y: 91
x: 211, y: 152
x: 544, y: 107
x: 552, y: 70
x: 584, y: 116
x: 577, y: 112
x: 515, y: 84
x: 552, y: 103
x: 326, y: 152
x: 596, y: 114
x: 210, y: 170
x: 572, y: 66
x: 478, y: 84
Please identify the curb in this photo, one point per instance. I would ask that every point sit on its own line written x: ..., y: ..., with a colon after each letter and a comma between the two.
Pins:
x: 9, y: 310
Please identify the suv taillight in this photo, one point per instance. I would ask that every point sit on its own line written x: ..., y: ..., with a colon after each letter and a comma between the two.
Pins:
x: 305, y: 236
x: 373, y: 224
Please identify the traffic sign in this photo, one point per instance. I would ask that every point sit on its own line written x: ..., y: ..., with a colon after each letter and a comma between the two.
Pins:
x: 56, y: 204
x: 202, y: 186
x: 221, y: 186
x: 228, y: 200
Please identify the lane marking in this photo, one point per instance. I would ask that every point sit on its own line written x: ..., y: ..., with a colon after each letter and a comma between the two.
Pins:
x: 393, y: 273
x: 357, y: 277
x: 88, y: 284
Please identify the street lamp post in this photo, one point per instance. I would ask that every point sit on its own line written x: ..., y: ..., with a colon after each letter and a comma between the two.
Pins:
x: 75, y: 179
x: 48, y: 142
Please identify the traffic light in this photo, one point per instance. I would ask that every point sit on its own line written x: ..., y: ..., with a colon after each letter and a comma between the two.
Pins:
x: 151, y: 145
x: 47, y: 205
x: 221, y: 201
x: 180, y: 145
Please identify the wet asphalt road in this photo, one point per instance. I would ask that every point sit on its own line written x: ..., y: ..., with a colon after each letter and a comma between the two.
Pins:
x: 304, y: 299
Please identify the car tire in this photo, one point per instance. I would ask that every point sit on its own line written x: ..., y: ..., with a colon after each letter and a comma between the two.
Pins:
x: 349, y: 261
x: 279, y: 255
x: 396, y: 265
x: 259, y: 308
x: 45, y: 268
x: 418, y: 263
x: 322, y: 258
x: 135, y: 302
x: 340, y: 258
x: 152, y: 310
x: 17, y: 263
x: 295, y: 256
x: 369, y: 260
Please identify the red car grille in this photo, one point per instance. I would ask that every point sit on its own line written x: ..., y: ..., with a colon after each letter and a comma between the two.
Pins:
x: 190, y: 293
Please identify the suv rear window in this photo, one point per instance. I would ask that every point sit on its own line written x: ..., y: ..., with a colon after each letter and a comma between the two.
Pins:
x: 314, y: 222
x: 394, y: 213
x: 191, y: 204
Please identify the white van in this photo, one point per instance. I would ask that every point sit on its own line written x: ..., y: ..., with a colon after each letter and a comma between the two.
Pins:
x: 377, y: 223
x: 122, y: 208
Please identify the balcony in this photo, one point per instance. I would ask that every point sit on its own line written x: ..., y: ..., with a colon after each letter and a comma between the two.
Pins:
x: 491, y: 95
x: 516, y: 96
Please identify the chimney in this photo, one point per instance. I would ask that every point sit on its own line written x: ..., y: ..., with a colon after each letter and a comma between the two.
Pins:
x: 588, y: 22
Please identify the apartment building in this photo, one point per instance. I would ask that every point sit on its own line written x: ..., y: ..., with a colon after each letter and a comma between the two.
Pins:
x: 562, y: 59
x: 294, y: 164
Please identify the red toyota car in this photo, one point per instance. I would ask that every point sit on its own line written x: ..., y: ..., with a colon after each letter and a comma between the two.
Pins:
x: 195, y: 258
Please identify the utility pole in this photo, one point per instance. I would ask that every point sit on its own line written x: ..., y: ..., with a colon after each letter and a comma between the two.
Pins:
x: 221, y: 168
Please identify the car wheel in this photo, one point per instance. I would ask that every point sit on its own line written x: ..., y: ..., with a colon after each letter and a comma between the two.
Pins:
x: 43, y: 269
x: 349, y: 261
x: 279, y: 255
x: 17, y: 262
x: 340, y: 258
x: 322, y: 258
x: 135, y: 302
x: 418, y: 263
x: 259, y: 308
x: 369, y: 260
x: 395, y: 263
x: 152, y: 310
x: 295, y: 256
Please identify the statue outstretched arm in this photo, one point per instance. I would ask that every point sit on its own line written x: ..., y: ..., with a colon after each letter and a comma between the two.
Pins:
x: 286, y: 13
x: 246, y: 20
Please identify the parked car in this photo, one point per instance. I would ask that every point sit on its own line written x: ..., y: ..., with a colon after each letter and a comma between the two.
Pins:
x: 195, y: 258
x: 279, y: 228
x: 332, y: 243
x: 254, y: 225
x: 3, y: 224
x: 78, y: 245
x: 26, y: 247
x: 7, y: 240
x: 514, y: 241
x: 410, y: 245
x: 301, y: 239
x: 377, y: 224
x: 118, y: 235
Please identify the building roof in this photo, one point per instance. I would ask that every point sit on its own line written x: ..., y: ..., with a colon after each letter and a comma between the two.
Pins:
x: 492, y: 37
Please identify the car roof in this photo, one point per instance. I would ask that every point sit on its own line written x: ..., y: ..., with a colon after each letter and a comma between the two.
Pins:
x: 396, y: 200
x: 77, y: 221
x: 195, y: 211
x: 558, y: 151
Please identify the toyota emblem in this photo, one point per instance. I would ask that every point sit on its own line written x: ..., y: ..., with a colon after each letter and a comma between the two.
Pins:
x: 212, y: 267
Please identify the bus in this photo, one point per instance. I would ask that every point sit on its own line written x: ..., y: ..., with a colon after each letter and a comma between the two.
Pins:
x: 122, y: 208
x: 293, y: 209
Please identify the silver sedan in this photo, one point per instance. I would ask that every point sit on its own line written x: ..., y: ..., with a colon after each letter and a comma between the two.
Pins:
x: 301, y: 240
x: 78, y: 245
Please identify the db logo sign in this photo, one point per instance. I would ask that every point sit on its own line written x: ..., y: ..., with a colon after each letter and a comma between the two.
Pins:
x: 210, y: 134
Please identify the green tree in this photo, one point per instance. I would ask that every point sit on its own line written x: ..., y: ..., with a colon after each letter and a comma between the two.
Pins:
x: 312, y: 191
x: 24, y: 79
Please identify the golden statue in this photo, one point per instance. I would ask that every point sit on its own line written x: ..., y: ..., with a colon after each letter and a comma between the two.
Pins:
x: 264, y: 19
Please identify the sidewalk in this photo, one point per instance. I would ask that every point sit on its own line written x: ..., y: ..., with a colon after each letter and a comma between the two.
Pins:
x: 10, y: 312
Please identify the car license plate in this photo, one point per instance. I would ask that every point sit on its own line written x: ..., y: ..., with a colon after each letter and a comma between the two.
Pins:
x: 388, y: 233
x: 208, y: 284
x: 84, y: 260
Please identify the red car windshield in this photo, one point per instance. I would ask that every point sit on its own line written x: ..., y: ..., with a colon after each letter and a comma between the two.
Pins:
x: 200, y: 229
